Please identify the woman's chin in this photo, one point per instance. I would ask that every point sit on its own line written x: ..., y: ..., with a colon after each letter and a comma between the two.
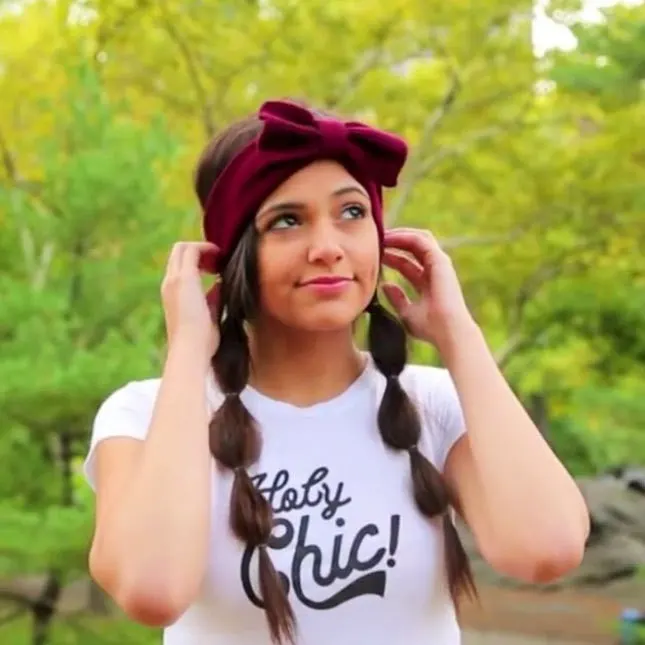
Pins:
x: 327, y: 319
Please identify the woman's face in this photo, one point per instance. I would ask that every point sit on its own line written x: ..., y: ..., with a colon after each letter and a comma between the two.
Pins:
x: 318, y: 253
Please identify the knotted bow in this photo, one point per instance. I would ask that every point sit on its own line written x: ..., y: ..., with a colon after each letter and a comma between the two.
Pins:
x: 292, y: 137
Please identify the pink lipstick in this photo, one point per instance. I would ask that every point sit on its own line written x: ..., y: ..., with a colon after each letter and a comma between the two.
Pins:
x: 327, y: 285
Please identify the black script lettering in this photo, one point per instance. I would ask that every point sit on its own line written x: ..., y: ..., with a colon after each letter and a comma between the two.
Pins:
x: 372, y: 583
x: 325, y: 566
x: 353, y: 561
x: 284, y: 530
x: 315, y: 478
x: 395, y: 523
x: 279, y: 482
x: 284, y: 498
x: 335, y: 502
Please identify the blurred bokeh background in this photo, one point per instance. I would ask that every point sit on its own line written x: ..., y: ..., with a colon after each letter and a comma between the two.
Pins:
x: 526, y: 123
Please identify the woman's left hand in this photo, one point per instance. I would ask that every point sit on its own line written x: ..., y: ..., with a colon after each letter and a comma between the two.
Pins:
x: 440, y: 313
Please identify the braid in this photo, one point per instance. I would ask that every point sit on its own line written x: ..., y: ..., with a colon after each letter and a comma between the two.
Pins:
x: 400, y: 427
x: 235, y: 443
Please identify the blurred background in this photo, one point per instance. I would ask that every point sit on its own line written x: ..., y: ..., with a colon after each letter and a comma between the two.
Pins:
x: 526, y: 123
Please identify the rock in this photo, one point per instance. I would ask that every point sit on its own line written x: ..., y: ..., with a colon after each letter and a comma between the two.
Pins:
x: 635, y: 479
x: 616, y: 545
x: 632, y: 476
x: 615, y: 508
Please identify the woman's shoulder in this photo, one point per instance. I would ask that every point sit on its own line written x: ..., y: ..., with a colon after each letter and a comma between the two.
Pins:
x: 434, y: 392
x: 431, y: 387
x: 137, y: 399
x: 426, y: 378
x: 125, y: 413
x: 132, y: 395
x: 427, y: 385
x: 127, y: 410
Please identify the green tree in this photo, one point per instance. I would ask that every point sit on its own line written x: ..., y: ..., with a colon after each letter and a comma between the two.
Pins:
x: 80, y: 315
x: 528, y: 171
x: 588, y: 360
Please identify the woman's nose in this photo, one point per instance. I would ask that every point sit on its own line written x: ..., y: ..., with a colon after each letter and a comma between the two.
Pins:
x: 325, y: 246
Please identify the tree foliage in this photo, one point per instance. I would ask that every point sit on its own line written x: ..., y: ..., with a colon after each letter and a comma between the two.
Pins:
x: 529, y: 171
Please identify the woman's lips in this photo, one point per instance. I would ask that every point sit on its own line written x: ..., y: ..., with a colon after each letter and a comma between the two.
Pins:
x: 326, y: 279
x: 328, y: 286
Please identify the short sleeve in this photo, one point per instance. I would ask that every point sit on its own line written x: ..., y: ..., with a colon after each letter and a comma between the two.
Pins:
x: 127, y: 412
x: 436, y: 395
x: 448, y: 415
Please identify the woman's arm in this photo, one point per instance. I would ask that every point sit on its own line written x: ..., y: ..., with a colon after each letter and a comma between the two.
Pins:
x: 153, y: 499
x: 527, y: 514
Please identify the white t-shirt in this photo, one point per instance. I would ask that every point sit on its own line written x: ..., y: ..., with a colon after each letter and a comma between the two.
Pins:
x: 363, y: 564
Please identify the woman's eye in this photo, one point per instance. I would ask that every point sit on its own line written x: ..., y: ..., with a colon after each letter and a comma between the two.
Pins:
x: 354, y: 211
x: 283, y: 221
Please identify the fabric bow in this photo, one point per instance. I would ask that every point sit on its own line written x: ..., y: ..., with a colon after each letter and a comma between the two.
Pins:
x: 292, y: 137
x: 293, y: 132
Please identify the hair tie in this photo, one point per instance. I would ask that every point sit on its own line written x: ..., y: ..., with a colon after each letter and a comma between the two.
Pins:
x: 414, y: 450
x: 446, y: 517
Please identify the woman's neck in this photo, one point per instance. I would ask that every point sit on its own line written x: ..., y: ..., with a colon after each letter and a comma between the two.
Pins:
x: 303, y: 368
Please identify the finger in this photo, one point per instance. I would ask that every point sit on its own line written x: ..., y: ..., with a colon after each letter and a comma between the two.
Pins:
x: 409, y: 268
x: 197, y: 255
x: 425, y: 234
x: 208, y: 260
x: 407, y: 229
x: 174, y: 259
x: 397, y: 298
x: 414, y: 242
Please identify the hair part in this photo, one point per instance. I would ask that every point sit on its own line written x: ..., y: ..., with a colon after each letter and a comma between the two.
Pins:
x: 234, y: 437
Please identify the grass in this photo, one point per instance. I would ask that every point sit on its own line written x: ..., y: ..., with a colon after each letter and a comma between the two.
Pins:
x: 80, y: 629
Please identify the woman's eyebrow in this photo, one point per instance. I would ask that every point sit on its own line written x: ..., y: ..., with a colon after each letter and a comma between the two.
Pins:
x: 291, y: 205
x: 280, y: 206
x: 350, y: 189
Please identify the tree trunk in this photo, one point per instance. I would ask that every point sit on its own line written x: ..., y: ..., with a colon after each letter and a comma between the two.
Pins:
x: 44, y: 608
x: 98, y: 601
x: 538, y: 409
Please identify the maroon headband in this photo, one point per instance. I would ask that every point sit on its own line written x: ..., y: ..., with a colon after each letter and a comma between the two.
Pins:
x: 292, y: 138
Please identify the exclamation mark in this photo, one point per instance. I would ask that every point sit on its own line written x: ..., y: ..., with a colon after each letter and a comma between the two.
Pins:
x: 395, y: 522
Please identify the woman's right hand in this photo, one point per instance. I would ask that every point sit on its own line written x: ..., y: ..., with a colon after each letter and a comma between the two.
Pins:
x: 187, y: 313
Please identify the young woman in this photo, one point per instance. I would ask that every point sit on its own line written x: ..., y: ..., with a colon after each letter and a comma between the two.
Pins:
x: 277, y: 483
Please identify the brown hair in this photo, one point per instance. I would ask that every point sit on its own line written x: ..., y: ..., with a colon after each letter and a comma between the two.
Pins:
x: 235, y: 440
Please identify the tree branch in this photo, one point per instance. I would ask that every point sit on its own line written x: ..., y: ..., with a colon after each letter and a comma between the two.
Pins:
x: 37, y: 268
x: 192, y: 67
x: 146, y: 81
x: 415, y: 163
x: 516, y: 343
x: 8, y: 594
x: 421, y: 167
x: 451, y: 243
x: 12, y: 615
x: 8, y: 161
x: 105, y: 32
x: 367, y: 63
x: 518, y: 340
x: 459, y: 149
x: 218, y: 97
